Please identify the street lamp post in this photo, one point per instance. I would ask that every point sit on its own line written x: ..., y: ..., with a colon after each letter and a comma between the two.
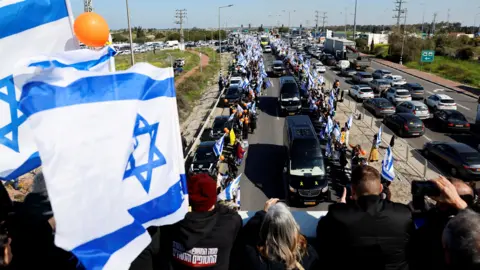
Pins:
x: 220, y: 35
x: 355, y: 21
x: 404, y: 35
x: 289, y: 13
x: 132, y: 59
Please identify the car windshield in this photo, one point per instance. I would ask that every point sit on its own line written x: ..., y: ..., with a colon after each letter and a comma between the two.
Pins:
x: 403, y: 93
x: 232, y: 92
x: 219, y: 123
x: 384, y: 104
x: 234, y: 81
x: 366, y: 76
x: 204, y: 154
x: 264, y: 39
x: 457, y: 116
x: 397, y: 78
x: 417, y: 88
x: 447, y: 101
x: 303, y: 156
x: 278, y: 65
x: 366, y: 90
x: 289, y: 95
x: 471, y: 157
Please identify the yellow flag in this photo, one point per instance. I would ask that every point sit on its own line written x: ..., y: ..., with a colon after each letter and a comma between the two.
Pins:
x: 232, y: 137
x: 342, y: 137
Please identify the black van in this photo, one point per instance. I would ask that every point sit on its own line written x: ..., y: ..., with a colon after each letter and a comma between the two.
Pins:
x: 304, y: 168
x: 289, y: 98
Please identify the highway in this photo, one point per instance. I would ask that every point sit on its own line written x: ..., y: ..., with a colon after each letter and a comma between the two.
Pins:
x: 466, y: 105
x: 262, y: 167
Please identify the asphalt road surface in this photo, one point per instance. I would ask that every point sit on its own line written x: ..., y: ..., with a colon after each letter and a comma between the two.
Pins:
x: 262, y: 167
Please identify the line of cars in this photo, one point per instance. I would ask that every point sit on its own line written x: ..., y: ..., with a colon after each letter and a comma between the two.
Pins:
x: 405, y: 111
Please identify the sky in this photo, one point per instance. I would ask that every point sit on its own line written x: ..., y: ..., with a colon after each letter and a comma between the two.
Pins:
x: 204, y: 13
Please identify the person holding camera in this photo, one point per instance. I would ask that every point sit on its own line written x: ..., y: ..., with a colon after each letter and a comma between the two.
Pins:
x: 365, y: 232
x: 452, y: 196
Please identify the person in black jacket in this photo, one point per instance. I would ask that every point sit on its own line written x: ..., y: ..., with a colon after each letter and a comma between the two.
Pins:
x: 272, y: 240
x: 367, y: 232
x: 204, y: 238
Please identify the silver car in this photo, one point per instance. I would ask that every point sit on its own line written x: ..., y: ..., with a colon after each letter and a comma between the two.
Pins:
x: 362, y: 77
x: 414, y: 107
x: 378, y: 86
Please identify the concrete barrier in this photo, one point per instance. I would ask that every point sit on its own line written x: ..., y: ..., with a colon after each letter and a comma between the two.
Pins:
x: 307, y: 220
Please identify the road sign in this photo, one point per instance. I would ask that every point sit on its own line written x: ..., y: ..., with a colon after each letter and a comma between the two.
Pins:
x: 427, y: 56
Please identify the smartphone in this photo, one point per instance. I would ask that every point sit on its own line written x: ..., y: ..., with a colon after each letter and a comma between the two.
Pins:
x: 425, y: 188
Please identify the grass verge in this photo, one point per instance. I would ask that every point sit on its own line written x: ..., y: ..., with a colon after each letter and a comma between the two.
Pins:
x: 193, y: 87
x: 159, y: 59
x: 467, y: 72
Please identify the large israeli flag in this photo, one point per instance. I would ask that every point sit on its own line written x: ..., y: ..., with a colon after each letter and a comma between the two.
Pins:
x: 387, y: 166
x: 112, y: 157
x: 27, y: 28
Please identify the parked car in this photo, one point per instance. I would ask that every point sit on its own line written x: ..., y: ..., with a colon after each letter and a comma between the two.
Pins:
x: 405, y: 124
x: 348, y: 72
x: 381, y: 73
x: 343, y: 64
x: 380, y: 107
x: 459, y: 159
x: 361, y: 92
x: 379, y: 86
x: 232, y: 95
x: 204, y: 159
x: 320, y: 68
x: 441, y: 102
x: 218, y: 126
x: 414, y: 107
x: 395, y: 80
x: 362, y: 77
x: 396, y: 95
x: 451, y: 120
x: 416, y: 90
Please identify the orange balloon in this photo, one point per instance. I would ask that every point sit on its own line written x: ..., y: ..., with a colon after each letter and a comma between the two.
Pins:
x: 225, y: 130
x: 222, y: 158
x: 91, y: 29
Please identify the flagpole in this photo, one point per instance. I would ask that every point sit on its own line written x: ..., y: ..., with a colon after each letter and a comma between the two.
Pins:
x: 132, y: 59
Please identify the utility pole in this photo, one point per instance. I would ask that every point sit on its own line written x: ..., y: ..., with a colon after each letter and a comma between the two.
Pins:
x: 354, y: 21
x: 132, y: 58
x: 404, y: 34
x: 399, y: 10
x: 87, y: 5
x: 181, y: 14
x: 324, y: 20
x: 316, y: 23
x: 433, y: 22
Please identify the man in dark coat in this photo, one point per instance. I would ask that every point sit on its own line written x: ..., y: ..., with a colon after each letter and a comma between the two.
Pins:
x: 367, y: 232
x: 204, y: 238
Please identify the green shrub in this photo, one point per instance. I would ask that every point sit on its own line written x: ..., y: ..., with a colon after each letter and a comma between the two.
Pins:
x: 465, y: 53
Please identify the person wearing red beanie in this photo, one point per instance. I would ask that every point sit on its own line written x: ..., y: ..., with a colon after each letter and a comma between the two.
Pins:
x: 205, y: 237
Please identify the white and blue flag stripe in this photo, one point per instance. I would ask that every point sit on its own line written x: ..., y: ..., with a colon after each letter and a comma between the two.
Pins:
x: 388, y: 171
x: 218, y: 146
x: 229, y: 192
x: 28, y: 28
x: 349, y: 122
x: 379, y: 137
x: 115, y: 139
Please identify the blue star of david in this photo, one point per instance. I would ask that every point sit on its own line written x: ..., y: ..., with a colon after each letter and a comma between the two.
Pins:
x: 143, y: 172
x: 11, y: 129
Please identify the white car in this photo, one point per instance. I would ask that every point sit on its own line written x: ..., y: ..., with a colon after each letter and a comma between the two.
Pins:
x: 343, y: 64
x: 395, y: 80
x: 320, y: 68
x: 441, y: 102
x: 267, y: 49
x: 361, y: 92
x: 398, y: 95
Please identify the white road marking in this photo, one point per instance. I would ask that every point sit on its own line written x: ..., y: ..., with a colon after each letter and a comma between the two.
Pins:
x: 430, y: 92
x: 461, y: 106
x: 428, y: 139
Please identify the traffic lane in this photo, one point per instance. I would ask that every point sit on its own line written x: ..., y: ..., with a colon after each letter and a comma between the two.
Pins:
x: 465, y: 104
x: 263, y: 164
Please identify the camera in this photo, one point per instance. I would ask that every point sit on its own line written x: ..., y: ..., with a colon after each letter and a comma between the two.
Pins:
x: 420, y: 189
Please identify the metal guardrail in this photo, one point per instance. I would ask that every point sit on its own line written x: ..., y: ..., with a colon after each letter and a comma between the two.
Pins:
x: 406, y: 156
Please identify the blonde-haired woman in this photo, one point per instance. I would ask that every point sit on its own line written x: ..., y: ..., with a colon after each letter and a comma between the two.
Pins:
x: 279, y: 245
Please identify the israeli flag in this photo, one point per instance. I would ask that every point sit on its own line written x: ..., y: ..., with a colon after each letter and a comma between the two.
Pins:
x: 349, y: 122
x: 329, y: 126
x: 27, y: 28
x: 245, y: 83
x: 331, y: 104
x: 229, y: 192
x: 253, y: 109
x: 239, y: 108
x: 337, y: 133
x: 218, y: 147
x: 112, y: 158
x: 328, y: 147
x: 231, y: 117
x: 379, y: 137
x: 387, y: 166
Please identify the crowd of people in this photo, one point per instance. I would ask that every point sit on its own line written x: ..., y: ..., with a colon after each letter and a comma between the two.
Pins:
x: 363, y: 230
